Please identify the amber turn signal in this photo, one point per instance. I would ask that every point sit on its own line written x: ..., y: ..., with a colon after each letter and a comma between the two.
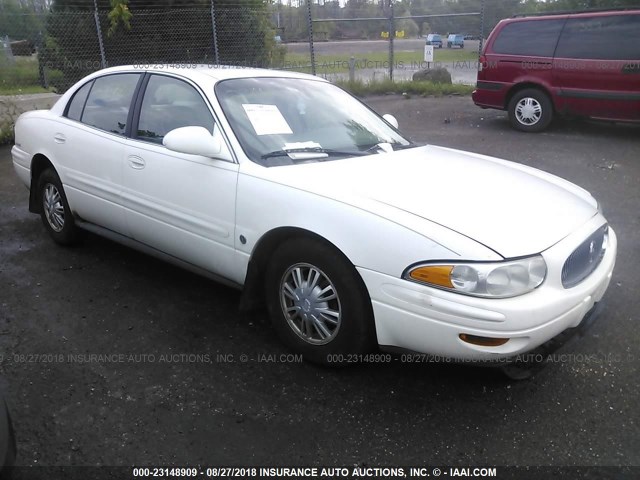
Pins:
x: 483, y: 341
x: 433, y: 274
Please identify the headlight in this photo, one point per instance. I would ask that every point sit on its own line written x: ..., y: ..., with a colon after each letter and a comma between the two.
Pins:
x: 493, y: 280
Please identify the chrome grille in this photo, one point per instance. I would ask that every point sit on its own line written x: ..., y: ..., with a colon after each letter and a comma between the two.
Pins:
x: 586, y: 258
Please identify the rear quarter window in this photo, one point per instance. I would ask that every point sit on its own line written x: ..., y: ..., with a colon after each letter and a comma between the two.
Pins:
x: 535, y: 38
x: 613, y: 37
x: 76, y: 105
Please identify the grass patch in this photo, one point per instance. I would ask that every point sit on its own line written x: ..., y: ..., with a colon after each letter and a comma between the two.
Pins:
x: 24, y: 90
x: 20, y: 76
x: 327, y: 64
x: 8, y: 115
x: 408, y: 87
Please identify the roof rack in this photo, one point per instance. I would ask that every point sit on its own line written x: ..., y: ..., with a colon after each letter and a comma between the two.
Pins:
x: 569, y: 12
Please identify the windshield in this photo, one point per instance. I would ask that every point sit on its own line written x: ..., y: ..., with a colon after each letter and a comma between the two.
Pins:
x: 274, y: 117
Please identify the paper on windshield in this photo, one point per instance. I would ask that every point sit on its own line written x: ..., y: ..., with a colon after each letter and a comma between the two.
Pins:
x: 296, y: 145
x: 266, y: 119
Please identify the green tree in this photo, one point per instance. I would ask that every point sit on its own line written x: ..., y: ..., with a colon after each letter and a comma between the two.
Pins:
x: 19, y: 22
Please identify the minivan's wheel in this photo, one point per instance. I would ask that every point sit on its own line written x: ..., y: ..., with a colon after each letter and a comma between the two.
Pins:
x: 530, y: 110
x: 55, y: 212
x: 318, y: 303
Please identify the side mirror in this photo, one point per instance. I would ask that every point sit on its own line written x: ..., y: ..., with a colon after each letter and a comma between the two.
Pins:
x: 390, y: 120
x: 193, y: 141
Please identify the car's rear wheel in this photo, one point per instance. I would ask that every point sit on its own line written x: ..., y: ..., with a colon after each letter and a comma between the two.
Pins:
x: 318, y: 303
x: 10, y: 453
x: 530, y: 110
x: 55, y: 212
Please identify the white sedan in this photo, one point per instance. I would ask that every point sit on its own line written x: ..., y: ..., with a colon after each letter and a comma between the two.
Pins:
x: 288, y: 187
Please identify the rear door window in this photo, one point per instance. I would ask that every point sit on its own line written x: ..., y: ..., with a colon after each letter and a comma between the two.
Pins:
x: 108, y: 104
x: 534, y: 38
x: 613, y: 37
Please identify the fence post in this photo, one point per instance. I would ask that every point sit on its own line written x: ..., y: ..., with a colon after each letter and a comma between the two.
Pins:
x: 481, y: 28
x: 311, y: 52
x: 103, y: 59
x: 42, y: 73
x: 352, y: 69
x: 392, y: 33
x: 215, y: 35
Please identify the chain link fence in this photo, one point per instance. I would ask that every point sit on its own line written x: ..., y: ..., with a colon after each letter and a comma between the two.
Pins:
x: 77, y: 43
x: 386, y: 41
x: 353, y: 40
x: 72, y: 44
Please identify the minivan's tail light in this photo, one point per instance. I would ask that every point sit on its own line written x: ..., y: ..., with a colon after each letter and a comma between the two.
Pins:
x: 481, y: 61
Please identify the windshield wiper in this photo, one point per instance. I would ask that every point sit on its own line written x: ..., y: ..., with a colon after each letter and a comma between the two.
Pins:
x: 399, y: 146
x: 395, y: 146
x: 309, y: 153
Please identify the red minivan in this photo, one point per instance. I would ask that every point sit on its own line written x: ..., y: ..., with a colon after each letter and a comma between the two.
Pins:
x: 583, y: 64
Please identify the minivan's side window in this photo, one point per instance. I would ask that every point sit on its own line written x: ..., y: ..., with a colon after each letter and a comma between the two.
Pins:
x: 535, y: 38
x: 170, y: 103
x: 612, y: 37
x: 76, y: 105
x: 108, y: 104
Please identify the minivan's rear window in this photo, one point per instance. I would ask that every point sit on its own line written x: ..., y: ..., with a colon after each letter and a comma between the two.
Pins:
x: 536, y: 38
x: 613, y: 37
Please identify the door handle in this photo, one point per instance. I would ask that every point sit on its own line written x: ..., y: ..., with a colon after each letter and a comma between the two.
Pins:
x: 136, y: 162
x: 59, y: 138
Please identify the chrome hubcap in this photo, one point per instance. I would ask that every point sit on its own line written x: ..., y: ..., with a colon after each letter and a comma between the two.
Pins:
x: 53, y: 207
x: 310, y: 303
x: 528, y: 111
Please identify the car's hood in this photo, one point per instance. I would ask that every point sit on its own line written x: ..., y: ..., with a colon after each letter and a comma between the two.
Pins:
x: 512, y: 209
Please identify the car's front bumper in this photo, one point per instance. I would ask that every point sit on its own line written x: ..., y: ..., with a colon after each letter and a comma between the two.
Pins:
x: 421, y: 319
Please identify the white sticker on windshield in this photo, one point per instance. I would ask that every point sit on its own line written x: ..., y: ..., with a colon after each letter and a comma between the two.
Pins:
x: 295, y: 145
x: 266, y: 119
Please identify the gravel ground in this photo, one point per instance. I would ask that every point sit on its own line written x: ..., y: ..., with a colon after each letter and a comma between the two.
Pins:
x: 168, y: 392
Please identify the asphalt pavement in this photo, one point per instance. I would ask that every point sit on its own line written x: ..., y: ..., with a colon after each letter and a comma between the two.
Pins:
x: 114, y: 358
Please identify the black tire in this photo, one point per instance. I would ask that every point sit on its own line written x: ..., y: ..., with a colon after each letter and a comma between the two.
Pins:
x: 523, y: 370
x: 10, y: 454
x: 54, y: 208
x: 353, y: 331
x: 539, y: 115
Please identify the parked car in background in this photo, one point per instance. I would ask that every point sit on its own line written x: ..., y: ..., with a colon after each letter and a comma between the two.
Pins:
x: 435, y: 40
x: 455, y: 40
x: 291, y: 189
x: 583, y: 64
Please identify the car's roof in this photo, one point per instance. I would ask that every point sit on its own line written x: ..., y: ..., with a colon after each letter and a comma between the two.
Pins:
x: 215, y: 72
x: 563, y: 15
x: 202, y: 74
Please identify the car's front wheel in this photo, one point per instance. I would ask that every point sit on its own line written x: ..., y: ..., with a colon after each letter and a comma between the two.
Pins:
x: 54, y: 208
x: 318, y: 303
x: 530, y: 110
